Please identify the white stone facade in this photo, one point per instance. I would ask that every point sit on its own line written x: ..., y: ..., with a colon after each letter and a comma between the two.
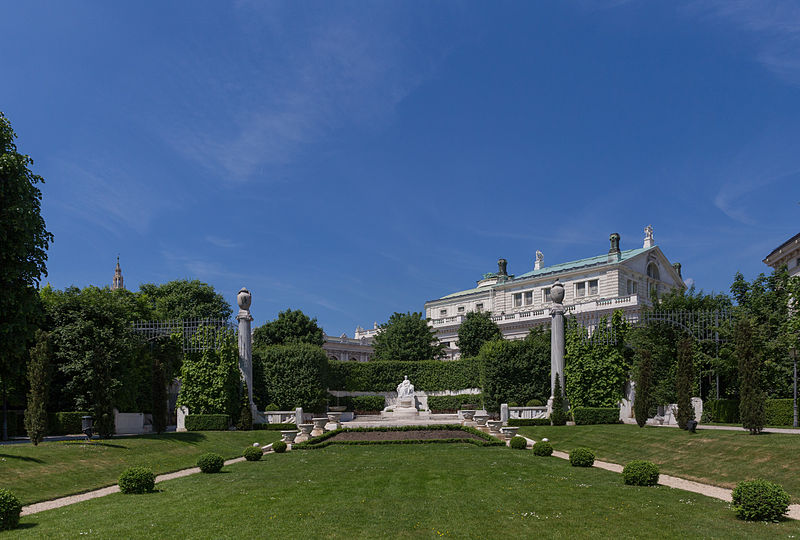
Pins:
x: 787, y: 253
x: 597, y: 285
x: 348, y: 349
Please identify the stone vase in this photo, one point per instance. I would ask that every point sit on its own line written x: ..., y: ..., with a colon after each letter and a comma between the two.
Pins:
x: 305, y: 433
x: 319, y: 426
x: 288, y: 435
x: 494, y: 427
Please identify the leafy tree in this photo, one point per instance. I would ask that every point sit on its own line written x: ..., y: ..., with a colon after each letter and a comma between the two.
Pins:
x: 596, y: 370
x: 38, y: 379
x: 477, y: 329
x: 558, y: 416
x: 295, y: 375
x: 291, y: 326
x: 407, y: 337
x: 185, y: 299
x: 644, y: 385
x: 684, y: 381
x: 516, y: 371
x: 24, y: 240
x: 752, y: 398
x: 210, y: 379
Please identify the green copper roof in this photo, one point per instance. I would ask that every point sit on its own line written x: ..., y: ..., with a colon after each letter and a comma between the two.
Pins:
x: 598, y: 260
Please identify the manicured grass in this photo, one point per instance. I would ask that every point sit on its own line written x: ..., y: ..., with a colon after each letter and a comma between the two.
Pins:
x: 407, y: 491
x: 717, y: 457
x: 55, y: 469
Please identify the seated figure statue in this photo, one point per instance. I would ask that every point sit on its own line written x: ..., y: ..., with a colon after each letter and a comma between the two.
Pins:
x: 405, y: 392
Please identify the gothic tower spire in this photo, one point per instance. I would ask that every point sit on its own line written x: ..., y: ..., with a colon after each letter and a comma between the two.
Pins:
x: 117, y: 283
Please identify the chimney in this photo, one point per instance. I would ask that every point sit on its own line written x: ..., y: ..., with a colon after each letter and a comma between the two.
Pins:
x: 614, y: 253
x: 677, y: 267
x: 501, y: 267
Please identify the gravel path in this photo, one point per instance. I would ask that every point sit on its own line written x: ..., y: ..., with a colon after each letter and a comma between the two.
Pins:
x: 678, y: 483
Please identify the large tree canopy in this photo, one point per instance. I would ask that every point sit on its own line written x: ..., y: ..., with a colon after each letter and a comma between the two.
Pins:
x: 291, y: 326
x: 23, y: 253
x: 184, y: 299
x: 477, y: 329
x: 407, y: 337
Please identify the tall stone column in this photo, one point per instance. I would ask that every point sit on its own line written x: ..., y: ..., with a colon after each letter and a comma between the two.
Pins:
x: 556, y: 337
x: 246, y: 342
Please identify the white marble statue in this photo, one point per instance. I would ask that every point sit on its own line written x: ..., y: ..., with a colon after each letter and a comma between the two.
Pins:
x: 405, y: 389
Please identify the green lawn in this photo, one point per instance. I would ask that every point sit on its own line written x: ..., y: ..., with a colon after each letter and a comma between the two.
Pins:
x: 55, y: 469
x: 716, y: 457
x: 405, y: 491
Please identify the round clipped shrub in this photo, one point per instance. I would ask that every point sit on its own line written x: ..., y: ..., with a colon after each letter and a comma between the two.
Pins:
x: 10, y: 507
x: 534, y: 403
x: 279, y: 447
x: 137, y: 480
x: 543, y: 448
x: 760, y: 500
x: 210, y: 463
x: 640, y: 473
x: 581, y: 457
x: 252, y: 453
x: 519, y: 443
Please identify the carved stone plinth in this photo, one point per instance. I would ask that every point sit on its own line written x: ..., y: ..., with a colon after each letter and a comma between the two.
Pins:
x: 319, y: 426
x: 334, y: 421
x: 288, y: 436
x: 305, y: 433
x: 494, y: 427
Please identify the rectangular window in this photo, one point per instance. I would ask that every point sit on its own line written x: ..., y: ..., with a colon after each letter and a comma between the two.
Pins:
x: 461, y: 309
x: 478, y: 307
x: 580, y: 289
x: 593, y: 287
x: 632, y: 286
x: 546, y: 294
x: 529, y: 298
x: 442, y: 313
x: 517, y: 299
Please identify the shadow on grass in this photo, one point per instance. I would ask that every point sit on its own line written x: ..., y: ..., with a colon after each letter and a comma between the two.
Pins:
x: 94, y: 443
x: 188, y: 437
x: 27, y: 525
x: 21, y: 458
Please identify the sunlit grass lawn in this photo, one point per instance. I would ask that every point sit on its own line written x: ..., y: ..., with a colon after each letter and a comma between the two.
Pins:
x: 55, y: 469
x: 716, y: 457
x: 404, y: 491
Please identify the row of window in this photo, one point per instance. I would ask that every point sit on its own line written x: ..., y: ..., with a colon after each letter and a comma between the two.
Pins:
x: 460, y: 309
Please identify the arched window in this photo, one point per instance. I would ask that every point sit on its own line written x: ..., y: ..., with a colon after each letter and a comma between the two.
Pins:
x: 652, y: 271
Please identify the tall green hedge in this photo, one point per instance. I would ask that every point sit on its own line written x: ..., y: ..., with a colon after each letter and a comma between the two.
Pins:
x: 384, y: 376
x: 454, y: 403
x: 725, y: 411
x: 780, y: 412
x: 207, y: 422
x: 595, y: 415
x: 294, y: 375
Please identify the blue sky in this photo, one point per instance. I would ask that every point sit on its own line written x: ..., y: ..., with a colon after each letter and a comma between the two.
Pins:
x: 356, y: 159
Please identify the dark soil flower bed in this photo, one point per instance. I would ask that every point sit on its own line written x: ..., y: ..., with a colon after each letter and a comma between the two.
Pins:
x: 403, y: 435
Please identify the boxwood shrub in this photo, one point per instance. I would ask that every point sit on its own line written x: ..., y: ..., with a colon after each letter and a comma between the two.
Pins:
x: 252, y: 453
x: 279, y: 447
x: 207, y: 422
x: 210, y: 463
x: 10, y: 508
x: 584, y: 416
x: 581, y: 457
x: 137, y: 480
x: 543, y: 448
x: 518, y: 443
x: 528, y: 421
x: 780, y: 412
x: 760, y: 500
x: 640, y: 473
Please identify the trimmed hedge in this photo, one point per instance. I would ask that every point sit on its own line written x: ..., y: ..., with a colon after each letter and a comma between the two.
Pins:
x: 725, y: 411
x: 65, y: 423
x: 759, y: 500
x: 137, y: 480
x: 207, y: 422
x: 528, y: 422
x: 543, y: 448
x: 518, y: 443
x: 293, y: 375
x: 581, y: 457
x: 454, y: 403
x: 10, y: 508
x: 780, y: 412
x: 382, y: 376
x: 279, y: 447
x: 640, y: 473
x: 322, y: 440
x: 210, y: 463
x: 363, y: 403
x: 585, y: 416
x: 252, y: 453
x: 274, y: 427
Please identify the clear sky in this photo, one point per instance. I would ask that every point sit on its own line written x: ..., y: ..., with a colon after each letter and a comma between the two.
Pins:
x: 356, y: 159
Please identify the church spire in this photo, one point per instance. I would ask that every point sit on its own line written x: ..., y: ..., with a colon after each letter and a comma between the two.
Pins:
x: 117, y: 284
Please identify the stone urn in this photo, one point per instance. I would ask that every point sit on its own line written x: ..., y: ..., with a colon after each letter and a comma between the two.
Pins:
x: 305, y: 433
x: 334, y: 420
x: 494, y: 427
x: 468, y: 415
x: 243, y: 299
x: 288, y: 435
x: 337, y: 408
x: 480, y: 421
x: 319, y: 426
x: 509, y: 432
x: 557, y: 292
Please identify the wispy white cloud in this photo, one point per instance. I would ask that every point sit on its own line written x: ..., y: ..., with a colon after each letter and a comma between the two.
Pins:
x: 732, y: 197
x: 222, y: 242
x: 329, y: 69
x: 773, y: 24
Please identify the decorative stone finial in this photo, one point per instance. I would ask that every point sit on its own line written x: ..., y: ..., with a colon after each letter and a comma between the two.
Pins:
x: 539, y: 260
x: 557, y: 292
x: 648, y: 237
x: 244, y: 299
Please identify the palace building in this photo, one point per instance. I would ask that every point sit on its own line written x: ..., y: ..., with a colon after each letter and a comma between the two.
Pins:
x: 787, y: 253
x: 595, y: 287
